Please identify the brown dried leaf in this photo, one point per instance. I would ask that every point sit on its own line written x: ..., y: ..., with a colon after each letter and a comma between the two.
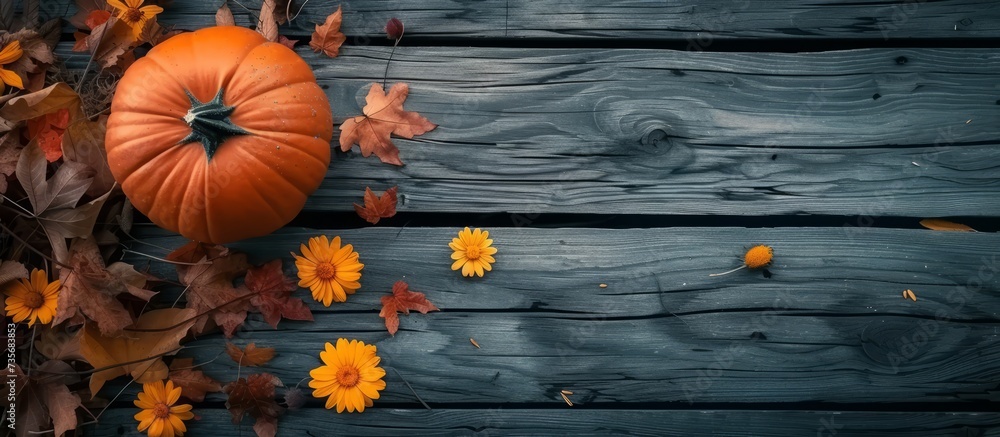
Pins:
x: 945, y: 225
x: 83, y: 142
x: 194, y: 383
x: 91, y: 290
x: 224, y: 16
x: 10, y: 270
x: 251, y: 356
x: 156, y: 333
x: 108, y: 42
x: 327, y: 38
x: 38, y: 103
x: 255, y: 396
x: 267, y: 24
x: 274, y: 294
x: 37, y: 53
x: 58, y: 344
x: 210, y: 285
x: 10, y: 152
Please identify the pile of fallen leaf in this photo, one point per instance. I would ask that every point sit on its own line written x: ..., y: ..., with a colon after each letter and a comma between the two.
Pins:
x: 62, y: 212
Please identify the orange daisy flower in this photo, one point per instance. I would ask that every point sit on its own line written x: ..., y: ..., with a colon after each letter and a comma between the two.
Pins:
x: 132, y: 14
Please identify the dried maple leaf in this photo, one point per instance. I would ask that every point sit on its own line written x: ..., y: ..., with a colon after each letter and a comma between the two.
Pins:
x: 44, y: 402
x: 194, y: 383
x: 109, y: 41
x: 47, y: 130
x: 403, y: 300
x: 273, y: 294
x: 224, y: 16
x: 327, y: 38
x: 89, y: 289
x: 251, y: 356
x: 154, y: 334
x: 54, y: 200
x: 383, y: 116
x: 290, y: 43
x: 210, y: 285
x: 255, y: 396
x: 377, y: 207
x: 945, y: 225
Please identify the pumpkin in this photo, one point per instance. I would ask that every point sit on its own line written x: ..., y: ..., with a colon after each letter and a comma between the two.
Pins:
x: 219, y: 135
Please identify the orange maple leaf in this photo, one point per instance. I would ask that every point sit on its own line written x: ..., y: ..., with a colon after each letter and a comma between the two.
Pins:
x: 383, y: 116
x: 251, y: 356
x: 403, y: 300
x: 327, y: 38
x: 377, y: 207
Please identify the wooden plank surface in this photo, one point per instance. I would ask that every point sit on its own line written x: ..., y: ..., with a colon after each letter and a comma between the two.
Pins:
x: 697, y: 25
x: 504, y: 421
x: 898, y: 132
x: 830, y: 324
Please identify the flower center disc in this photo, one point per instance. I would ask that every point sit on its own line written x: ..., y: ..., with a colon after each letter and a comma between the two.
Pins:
x: 472, y: 252
x: 34, y: 300
x: 325, y: 270
x: 347, y: 376
x: 133, y: 15
x: 758, y: 256
x: 161, y: 410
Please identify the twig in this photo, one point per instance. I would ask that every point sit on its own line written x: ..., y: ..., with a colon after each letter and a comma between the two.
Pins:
x: 389, y: 61
x: 411, y: 389
x: 181, y: 263
x: 288, y: 8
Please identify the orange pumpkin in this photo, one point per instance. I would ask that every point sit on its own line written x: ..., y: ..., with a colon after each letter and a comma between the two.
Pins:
x: 219, y: 135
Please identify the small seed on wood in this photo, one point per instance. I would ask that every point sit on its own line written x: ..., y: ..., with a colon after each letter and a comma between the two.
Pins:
x: 603, y: 285
x: 568, y: 402
x: 908, y: 294
x: 473, y: 341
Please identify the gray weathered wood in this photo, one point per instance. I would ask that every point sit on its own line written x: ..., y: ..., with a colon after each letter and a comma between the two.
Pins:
x: 566, y: 421
x: 698, y: 24
x: 830, y: 325
x: 663, y: 132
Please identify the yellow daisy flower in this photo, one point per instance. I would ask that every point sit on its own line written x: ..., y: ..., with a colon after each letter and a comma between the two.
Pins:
x: 136, y: 17
x: 159, y: 415
x: 10, y: 53
x: 473, y: 252
x: 33, y: 300
x: 350, y: 377
x: 331, y: 272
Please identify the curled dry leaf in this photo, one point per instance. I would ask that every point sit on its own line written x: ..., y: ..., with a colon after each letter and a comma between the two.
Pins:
x: 224, y: 16
x: 945, y: 225
x: 377, y: 207
x: 383, y: 116
x: 36, y: 104
x: 194, y: 383
x: 251, y: 355
x: 327, y: 38
x: 156, y: 333
x: 10, y: 270
x: 403, y: 300
x: 267, y: 24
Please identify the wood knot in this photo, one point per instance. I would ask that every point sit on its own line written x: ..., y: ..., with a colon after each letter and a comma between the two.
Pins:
x: 656, y: 141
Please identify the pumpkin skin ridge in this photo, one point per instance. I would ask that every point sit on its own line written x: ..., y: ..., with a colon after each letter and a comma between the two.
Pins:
x: 272, y: 170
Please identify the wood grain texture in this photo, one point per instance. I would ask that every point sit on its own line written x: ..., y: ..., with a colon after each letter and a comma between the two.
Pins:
x: 665, y: 132
x: 698, y: 24
x: 504, y: 421
x: 830, y: 325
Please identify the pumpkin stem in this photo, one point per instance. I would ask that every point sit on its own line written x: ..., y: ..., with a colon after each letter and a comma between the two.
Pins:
x: 210, y: 123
